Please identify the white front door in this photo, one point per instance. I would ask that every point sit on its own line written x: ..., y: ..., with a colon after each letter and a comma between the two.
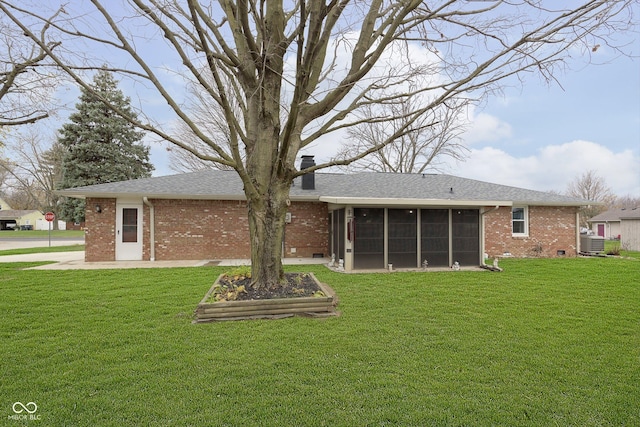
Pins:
x: 129, y: 232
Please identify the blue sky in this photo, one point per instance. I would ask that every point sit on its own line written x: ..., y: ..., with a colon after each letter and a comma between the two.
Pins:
x: 542, y: 136
x: 536, y: 135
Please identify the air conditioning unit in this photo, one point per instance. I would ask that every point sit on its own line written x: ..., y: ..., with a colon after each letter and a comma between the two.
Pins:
x: 591, y: 244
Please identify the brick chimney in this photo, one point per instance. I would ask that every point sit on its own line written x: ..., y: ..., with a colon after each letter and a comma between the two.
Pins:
x: 308, y: 180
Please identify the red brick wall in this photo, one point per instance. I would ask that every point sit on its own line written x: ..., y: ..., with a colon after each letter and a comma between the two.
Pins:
x: 206, y: 229
x: 308, y: 231
x: 199, y: 229
x: 100, y: 230
x: 550, y: 229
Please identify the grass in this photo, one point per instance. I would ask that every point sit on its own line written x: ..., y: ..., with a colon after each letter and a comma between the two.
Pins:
x: 613, y: 246
x: 546, y: 342
x: 23, y: 251
x: 38, y: 234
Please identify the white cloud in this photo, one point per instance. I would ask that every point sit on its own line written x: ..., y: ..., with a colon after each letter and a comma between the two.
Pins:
x: 554, y: 166
x: 486, y: 128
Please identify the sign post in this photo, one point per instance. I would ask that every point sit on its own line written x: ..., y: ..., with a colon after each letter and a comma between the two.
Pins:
x: 49, y: 217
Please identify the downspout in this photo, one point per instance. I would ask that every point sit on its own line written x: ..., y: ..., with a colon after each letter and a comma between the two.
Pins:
x: 482, y: 214
x: 152, y: 229
x: 578, y: 248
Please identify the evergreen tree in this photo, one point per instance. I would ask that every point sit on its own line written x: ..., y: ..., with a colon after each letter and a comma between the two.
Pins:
x: 101, y: 146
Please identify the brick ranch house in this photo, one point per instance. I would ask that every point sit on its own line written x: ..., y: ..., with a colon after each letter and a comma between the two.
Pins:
x: 368, y: 220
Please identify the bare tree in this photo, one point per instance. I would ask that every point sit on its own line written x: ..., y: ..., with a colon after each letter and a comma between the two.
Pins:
x: 33, y: 170
x: 26, y: 80
x: 627, y: 201
x: 427, y: 139
x: 304, y: 70
x: 590, y: 186
x: 210, y: 120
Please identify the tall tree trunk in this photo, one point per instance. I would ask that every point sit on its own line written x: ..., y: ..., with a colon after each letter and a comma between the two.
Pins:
x: 266, y: 226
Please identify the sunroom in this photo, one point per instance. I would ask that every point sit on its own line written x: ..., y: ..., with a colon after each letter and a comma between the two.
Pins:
x: 369, y: 237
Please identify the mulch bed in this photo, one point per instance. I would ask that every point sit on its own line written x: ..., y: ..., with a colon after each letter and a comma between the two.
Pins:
x: 297, y: 285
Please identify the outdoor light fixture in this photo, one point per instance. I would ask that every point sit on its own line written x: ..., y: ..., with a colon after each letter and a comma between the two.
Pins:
x: 98, y: 209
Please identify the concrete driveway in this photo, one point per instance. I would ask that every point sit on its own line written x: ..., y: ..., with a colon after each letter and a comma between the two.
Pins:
x: 40, y: 242
x: 75, y: 260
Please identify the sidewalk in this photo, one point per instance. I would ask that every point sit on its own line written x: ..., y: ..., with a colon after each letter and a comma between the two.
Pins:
x: 75, y: 261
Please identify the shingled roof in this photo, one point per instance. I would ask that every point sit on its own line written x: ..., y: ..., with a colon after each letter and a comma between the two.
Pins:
x: 616, y: 215
x: 9, y: 214
x: 360, y: 188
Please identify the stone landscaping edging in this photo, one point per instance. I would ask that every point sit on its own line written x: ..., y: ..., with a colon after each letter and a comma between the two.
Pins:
x: 276, y: 308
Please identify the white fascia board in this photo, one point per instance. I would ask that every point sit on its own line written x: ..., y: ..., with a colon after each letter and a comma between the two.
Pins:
x: 110, y: 195
x: 367, y: 201
x: 538, y: 203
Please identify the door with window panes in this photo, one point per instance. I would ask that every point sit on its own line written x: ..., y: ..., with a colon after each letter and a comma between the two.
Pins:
x: 128, y: 232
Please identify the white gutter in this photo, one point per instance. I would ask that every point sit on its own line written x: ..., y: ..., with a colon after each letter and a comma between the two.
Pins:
x: 578, y: 248
x: 152, y: 229
x: 371, y: 201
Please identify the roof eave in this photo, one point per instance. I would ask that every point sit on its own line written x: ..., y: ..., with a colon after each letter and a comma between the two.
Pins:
x: 551, y: 203
x: 114, y: 195
x: 371, y: 201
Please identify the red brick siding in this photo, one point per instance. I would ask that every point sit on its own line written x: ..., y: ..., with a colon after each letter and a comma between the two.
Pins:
x: 551, y: 229
x: 206, y: 229
x: 100, y: 230
x: 200, y: 229
x: 308, y: 231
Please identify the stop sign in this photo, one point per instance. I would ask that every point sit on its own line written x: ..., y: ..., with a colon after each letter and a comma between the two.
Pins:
x: 49, y: 216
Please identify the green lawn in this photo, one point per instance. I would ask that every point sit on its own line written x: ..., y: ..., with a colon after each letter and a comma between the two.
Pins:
x: 613, y: 247
x: 546, y: 342
x: 39, y: 250
x: 37, y: 234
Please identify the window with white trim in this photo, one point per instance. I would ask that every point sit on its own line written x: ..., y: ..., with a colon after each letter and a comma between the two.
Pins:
x: 519, y: 221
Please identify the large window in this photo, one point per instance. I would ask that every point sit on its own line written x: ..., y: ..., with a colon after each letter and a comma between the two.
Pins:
x: 519, y: 221
x: 368, y: 246
x: 465, y: 245
x: 337, y: 230
x: 434, y: 239
x: 403, y: 241
x: 408, y: 237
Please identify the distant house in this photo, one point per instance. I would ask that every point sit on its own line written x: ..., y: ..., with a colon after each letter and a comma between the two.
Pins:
x: 367, y: 220
x: 14, y: 219
x: 623, y: 224
x: 606, y: 224
x: 17, y: 219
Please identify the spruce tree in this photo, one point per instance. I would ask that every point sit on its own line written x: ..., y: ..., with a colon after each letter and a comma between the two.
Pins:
x: 101, y: 145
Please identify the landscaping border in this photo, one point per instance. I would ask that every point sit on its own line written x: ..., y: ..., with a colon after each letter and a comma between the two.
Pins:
x: 275, y: 308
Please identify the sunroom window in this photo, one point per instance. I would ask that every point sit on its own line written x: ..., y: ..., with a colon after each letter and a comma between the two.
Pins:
x: 519, y: 221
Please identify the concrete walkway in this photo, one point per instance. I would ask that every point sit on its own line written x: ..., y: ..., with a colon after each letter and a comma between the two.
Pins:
x: 75, y: 261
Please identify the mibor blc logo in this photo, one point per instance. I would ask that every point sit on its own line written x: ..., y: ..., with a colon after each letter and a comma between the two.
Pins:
x: 24, y: 412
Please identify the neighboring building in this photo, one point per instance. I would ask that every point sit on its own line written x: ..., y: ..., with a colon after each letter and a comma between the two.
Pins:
x: 15, y: 219
x: 369, y: 220
x: 622, y: 224
x: 19, y: 219
x: 630, y: 230
x: 606, y: 224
